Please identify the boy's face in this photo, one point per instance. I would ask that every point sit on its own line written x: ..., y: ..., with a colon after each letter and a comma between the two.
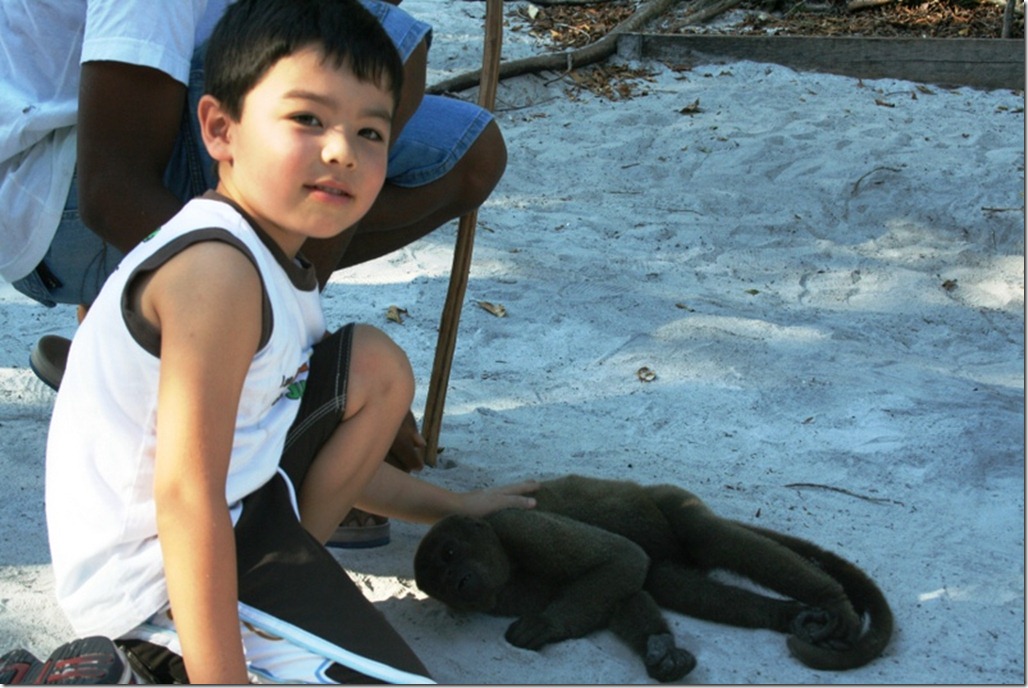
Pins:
x: 308, y: 155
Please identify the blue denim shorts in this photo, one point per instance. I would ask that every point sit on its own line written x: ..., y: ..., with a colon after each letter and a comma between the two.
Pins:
x: 437, y: 136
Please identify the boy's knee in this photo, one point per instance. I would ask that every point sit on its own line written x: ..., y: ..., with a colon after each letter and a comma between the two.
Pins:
x: 381, y: 361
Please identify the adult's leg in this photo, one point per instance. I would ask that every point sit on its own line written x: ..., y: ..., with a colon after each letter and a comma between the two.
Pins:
x: 404, y: 214
x: 447, y: 157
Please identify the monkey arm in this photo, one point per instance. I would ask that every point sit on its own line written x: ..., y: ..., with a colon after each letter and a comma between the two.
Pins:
x: 590, y: 570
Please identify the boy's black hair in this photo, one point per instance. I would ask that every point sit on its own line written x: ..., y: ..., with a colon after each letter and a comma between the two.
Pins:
x: 253, y: 35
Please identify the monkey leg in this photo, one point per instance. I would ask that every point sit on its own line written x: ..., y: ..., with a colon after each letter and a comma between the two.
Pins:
x: 692, y: 592
x: 639, y: 622
x: 711, y: 542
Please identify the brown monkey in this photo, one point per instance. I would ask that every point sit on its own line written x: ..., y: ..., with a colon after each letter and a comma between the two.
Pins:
x: 601, y: 553
x: 563, y: 578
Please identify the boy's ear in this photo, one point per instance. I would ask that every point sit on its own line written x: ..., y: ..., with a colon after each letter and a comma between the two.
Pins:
x: 215, y: 128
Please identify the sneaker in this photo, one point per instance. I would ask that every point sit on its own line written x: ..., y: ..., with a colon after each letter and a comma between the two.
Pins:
x: 49, y: 358
x: 360, y: 530
x: 16, y: 665
x: 94, y: 660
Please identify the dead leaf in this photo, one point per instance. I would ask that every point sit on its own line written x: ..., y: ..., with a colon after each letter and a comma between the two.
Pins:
x: 395, y: 313
x: 495, y: 308
x: 949, y: 285
x: 691, y: 109
x: 645, y: 374
x: 752, y: 292
x: 883, y: 103
x: 574, y: 26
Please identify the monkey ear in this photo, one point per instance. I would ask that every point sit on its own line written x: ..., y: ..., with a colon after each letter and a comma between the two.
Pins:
x: 216, y: 128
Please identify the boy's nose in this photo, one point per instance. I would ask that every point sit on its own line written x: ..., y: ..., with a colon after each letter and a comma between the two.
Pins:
x: 338, y: 150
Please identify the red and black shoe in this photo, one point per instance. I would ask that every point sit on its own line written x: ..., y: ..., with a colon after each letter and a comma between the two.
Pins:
x: 87, y: 661
x: 17, y: 665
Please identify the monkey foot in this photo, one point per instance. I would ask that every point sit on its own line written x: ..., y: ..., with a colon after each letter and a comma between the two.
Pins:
x: 822, y: 628
x: 664, y: 661
x: 532, y: 632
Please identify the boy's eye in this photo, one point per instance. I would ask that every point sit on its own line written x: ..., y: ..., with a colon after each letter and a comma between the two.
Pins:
x: 372, y: 134
x: 307, y: 120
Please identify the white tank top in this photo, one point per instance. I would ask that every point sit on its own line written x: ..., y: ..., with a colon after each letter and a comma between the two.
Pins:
x: 101, y: 446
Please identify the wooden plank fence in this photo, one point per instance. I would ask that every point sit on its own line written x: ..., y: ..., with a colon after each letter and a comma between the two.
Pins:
x: 987, y: 63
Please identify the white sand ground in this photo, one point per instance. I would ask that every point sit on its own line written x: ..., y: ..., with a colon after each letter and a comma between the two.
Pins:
x: 826, y: 276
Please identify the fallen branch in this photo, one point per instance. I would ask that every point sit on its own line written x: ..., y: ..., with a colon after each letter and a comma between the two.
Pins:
x: 856, y: 187
x: 705, y: 10
x: 566, y: 61
x: 854, y: 5
x: 818, y: 486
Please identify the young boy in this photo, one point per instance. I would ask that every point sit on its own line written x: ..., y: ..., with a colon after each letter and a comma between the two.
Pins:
x: 208, y: 437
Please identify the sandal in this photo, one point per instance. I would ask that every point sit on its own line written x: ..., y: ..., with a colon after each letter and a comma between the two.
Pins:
x: 360, y: 530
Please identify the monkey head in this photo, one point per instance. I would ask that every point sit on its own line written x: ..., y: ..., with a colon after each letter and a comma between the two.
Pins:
x: 462, y: 563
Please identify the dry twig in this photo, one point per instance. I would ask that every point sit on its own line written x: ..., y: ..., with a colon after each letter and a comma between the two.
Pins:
x: 830, y: 488
x: 594, y: 52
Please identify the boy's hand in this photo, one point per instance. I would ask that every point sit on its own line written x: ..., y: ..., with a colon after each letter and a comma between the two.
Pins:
x: 482, y: 502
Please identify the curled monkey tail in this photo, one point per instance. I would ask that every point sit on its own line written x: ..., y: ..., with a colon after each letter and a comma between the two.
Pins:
x: 865, y: 596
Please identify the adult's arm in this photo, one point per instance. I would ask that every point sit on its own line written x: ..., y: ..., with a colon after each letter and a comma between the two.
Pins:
x: 129, y: 117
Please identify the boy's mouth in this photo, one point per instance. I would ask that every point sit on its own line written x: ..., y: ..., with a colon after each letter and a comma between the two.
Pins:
x: 331, y: 190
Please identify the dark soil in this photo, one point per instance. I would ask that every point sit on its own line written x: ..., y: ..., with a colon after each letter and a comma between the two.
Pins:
x: 569, y: 26
x: 900, y: 18
x: 572, y: 26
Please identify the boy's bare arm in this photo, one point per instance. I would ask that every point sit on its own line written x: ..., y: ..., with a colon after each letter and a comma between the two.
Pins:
x: 392, y: 492
x: 206, y: 302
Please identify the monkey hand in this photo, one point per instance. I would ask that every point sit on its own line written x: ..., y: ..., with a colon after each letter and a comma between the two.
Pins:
x: 664, y: 661
x: 533, y: 632
x: 479, y: 503
x: 824, y: 628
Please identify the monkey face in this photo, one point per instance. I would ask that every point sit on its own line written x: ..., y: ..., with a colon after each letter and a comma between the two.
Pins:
x: 462, y: 563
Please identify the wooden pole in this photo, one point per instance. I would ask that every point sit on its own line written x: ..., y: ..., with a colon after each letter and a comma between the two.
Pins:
x: 1008, y: 20
x: 450, y: 320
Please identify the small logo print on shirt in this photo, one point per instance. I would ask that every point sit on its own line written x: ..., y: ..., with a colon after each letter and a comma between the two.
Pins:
x: 294, y: 386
